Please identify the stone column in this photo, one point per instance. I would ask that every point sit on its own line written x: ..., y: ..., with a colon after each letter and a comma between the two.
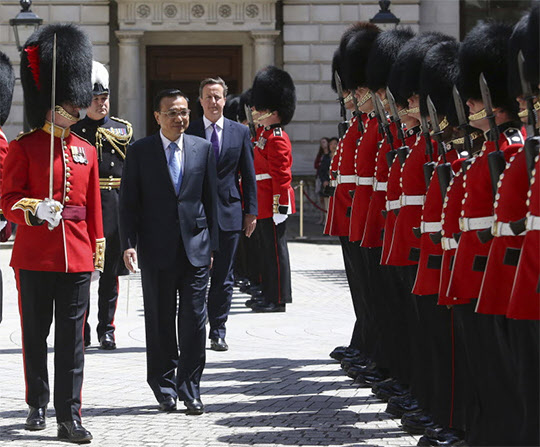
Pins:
x: 264, y: 48
x: 130, y: 99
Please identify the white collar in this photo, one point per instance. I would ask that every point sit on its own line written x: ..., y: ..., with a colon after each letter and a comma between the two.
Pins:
x: 165, y: 141
x: 208, y: 123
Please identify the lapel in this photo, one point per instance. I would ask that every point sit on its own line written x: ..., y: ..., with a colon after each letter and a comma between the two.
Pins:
x: 161, y: 158
x: 190, y: 153
x: 225, y: 136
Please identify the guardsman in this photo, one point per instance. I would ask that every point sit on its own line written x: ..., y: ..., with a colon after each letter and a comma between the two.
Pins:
x: 7, y: 82
x: 60, y: 230
x: 484, y: 51
x: 111, y: 137
x: 342, y: 171
x: 387, y: 302
x: 273, y: 97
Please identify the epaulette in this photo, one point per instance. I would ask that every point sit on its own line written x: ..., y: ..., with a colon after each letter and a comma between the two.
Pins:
x: 120, y: 120
x: 277, y: 132
x: 18, y: 137
x: 513, y: 136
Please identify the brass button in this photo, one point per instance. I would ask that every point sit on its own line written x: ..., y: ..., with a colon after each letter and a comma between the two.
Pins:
x: 84, y: 129
x: 68, y: 189
x: 112, y: 164
x: 68, y: 168
x: 68, y: 184
x: 67, y: 199
x: 68, y: 174
x: 112, y: 151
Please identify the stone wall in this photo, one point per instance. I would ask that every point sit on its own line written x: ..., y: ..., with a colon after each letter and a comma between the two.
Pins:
x: 92, y: 15
x: 311, y: 33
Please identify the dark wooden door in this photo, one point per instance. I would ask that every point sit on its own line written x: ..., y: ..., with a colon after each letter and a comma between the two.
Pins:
x: 184, y: 67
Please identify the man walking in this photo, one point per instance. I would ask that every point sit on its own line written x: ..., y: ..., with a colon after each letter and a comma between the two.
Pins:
x: 111, y: 137
x: 234, y: 158
x: 168, y: 212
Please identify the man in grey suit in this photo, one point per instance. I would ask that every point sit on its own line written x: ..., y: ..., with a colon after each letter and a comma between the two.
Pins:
x: 234, y: 158
x: 168, y: 213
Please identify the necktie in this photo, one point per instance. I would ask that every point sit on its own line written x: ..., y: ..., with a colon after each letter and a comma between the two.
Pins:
x: 174, y: 167
x: 215, y: 141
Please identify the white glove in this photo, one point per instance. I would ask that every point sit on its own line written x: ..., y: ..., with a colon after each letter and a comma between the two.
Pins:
x: 95, y: 275
x: 279, y: 218
x: 51, y: 211
x: 3, y: 224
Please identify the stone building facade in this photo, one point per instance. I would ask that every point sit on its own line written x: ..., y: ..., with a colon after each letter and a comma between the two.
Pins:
x: 150, y: 44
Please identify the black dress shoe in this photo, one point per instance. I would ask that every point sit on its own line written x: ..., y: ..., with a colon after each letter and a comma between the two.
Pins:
x: 194, y: 407
x: 168, y: 404
x: 268, y: 307
x: 439, y: 436
x: 399, y: 405
x: 107, y: 342
x: 416, y: 422
x: 36, y: 418
x: 73, y: 431
x: 388, y: 388
x: 218, y: 344
x: 339, y: 352
x: 358, y: 360
x: 254, y: 290
x: 254, y: 301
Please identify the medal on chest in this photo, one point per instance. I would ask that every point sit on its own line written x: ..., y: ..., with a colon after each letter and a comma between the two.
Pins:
x: 79, y: 155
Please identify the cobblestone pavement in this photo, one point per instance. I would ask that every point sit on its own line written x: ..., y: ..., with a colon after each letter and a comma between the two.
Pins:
x: 276, y: 386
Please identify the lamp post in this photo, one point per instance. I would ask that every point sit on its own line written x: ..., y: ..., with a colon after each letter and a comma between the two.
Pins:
x: 24, y: 24
x: 385, y: 19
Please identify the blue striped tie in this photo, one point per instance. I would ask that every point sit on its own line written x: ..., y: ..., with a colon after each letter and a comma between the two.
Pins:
x: 174, y: 167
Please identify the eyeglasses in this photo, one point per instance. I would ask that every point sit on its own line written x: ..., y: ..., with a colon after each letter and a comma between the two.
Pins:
x: 172, y: 114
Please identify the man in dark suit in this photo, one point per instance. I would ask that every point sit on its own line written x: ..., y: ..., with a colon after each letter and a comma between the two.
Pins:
x: 168, y: 212
x: 233, y: 151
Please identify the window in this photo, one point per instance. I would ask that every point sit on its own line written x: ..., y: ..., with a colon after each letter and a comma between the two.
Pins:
x: 504, y: 10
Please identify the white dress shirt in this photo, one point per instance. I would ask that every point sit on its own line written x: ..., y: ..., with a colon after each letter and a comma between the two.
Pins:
x: 179, y: 154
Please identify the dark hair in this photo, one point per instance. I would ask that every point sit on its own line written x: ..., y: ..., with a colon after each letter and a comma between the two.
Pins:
x: 320, y: 146
x: 213, y: 81
x: 167, y: 93
x: 332, y: 139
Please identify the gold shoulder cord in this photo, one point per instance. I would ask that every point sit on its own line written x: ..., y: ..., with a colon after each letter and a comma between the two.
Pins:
x: 114, y: 139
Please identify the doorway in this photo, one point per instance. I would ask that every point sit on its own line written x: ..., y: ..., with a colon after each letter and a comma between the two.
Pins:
x: 184, y: 67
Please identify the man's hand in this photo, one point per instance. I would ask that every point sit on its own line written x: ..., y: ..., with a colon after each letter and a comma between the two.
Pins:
x: 51, y: 211
x: 250, y: 222
x: 279, y: 218
x: 130, y: 260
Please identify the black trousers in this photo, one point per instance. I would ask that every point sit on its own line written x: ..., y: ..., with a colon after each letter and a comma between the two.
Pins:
x: 276, y: 273
x: 107, y: 289
x: 222, y: 282
x: 179, y: 289
x: 42, y: 294
x: 355, y: 270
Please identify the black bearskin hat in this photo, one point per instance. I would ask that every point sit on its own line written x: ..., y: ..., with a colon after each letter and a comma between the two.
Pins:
x: 230, y: 110
x: 485, y: 50
x: 73, y: 70
x: 532, y: 48
x: 356, y: 53
x: 7, y: 82
x: 273, y: 89
x: 336, y: 66
x: 409, y: 63
x: 245, y: 99
x: 437, y: 79
x: 383, y: 54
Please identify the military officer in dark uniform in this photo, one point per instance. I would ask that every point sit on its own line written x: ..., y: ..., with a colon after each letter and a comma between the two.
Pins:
x: 111, y: 136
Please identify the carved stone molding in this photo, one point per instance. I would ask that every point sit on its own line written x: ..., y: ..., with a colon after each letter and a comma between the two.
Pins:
x: 131, y: 37
x: 223, y: 15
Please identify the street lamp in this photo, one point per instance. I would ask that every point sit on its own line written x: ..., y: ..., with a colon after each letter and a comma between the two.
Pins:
x: 385, y: 18
x: 25, y: 23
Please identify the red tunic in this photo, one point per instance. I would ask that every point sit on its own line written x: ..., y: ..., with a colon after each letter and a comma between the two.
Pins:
x: 364, y: 167
x: 76, y: 245
x: 510, y: 206
x: 341, y: 204
x: 429, y: 266
x: 405, y: 245
x: 373, y: 229
x: 273, y: 162
x: 471, y: 255
x: 525, y: 297
x: 393, y: 195
x: 4, y: 145
x: 333, y: 182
